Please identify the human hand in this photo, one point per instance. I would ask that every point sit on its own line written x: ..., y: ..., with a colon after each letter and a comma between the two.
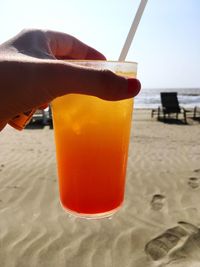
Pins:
x: 31, y: 75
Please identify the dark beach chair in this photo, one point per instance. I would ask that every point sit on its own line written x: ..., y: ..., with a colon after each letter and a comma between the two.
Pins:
x: 170, y: 105
x: 39, y: 116
x: 196, y: 113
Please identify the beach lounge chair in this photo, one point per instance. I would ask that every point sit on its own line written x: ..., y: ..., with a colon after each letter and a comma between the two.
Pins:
x: 39, y: 116
x: 196, y: 113
x: 169, y: 105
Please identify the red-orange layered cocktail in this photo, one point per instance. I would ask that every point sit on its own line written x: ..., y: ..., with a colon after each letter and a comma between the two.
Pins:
x: 92, y: 138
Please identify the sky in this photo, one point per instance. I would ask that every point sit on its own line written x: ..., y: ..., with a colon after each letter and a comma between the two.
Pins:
x: 166, y: 44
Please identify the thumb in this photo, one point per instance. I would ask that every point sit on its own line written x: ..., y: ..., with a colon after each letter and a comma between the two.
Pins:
x: 67, y: 78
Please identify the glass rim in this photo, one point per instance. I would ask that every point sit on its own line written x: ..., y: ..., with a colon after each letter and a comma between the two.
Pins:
x: 101, y: 61
x: 112, y: 65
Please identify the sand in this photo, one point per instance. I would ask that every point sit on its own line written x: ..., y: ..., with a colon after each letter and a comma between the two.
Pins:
x: 159, y: 224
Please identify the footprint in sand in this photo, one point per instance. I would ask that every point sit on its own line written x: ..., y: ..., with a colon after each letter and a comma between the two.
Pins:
x: 173, y: 240
x: 157, y: 202
x: 197, y: 170
x: 194, y: 182
x: 1, y: 167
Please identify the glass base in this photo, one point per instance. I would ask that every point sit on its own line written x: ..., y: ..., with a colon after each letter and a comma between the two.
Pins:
x: 94, y: 216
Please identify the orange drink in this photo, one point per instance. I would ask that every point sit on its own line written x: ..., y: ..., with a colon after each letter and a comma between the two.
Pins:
x: 92, y: 139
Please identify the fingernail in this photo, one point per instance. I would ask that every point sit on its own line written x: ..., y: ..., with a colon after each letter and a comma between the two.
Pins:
x: 134, y: 86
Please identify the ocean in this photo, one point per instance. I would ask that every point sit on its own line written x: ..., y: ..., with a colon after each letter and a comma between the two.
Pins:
x: 150, y: 98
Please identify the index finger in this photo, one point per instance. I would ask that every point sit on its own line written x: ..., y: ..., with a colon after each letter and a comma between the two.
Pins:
x: 65, y: 46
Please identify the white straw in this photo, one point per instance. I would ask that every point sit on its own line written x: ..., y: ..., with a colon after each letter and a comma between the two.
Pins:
x: 132, y: 30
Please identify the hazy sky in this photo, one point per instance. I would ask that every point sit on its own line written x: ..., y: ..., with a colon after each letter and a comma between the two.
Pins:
x: 166, y: 44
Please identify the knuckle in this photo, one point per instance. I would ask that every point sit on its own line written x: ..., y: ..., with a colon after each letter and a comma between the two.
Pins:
x: 109, y: 84
x: 107, y: 77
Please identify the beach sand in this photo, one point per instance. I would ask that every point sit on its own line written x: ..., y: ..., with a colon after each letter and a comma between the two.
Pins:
x: 158, y: 225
